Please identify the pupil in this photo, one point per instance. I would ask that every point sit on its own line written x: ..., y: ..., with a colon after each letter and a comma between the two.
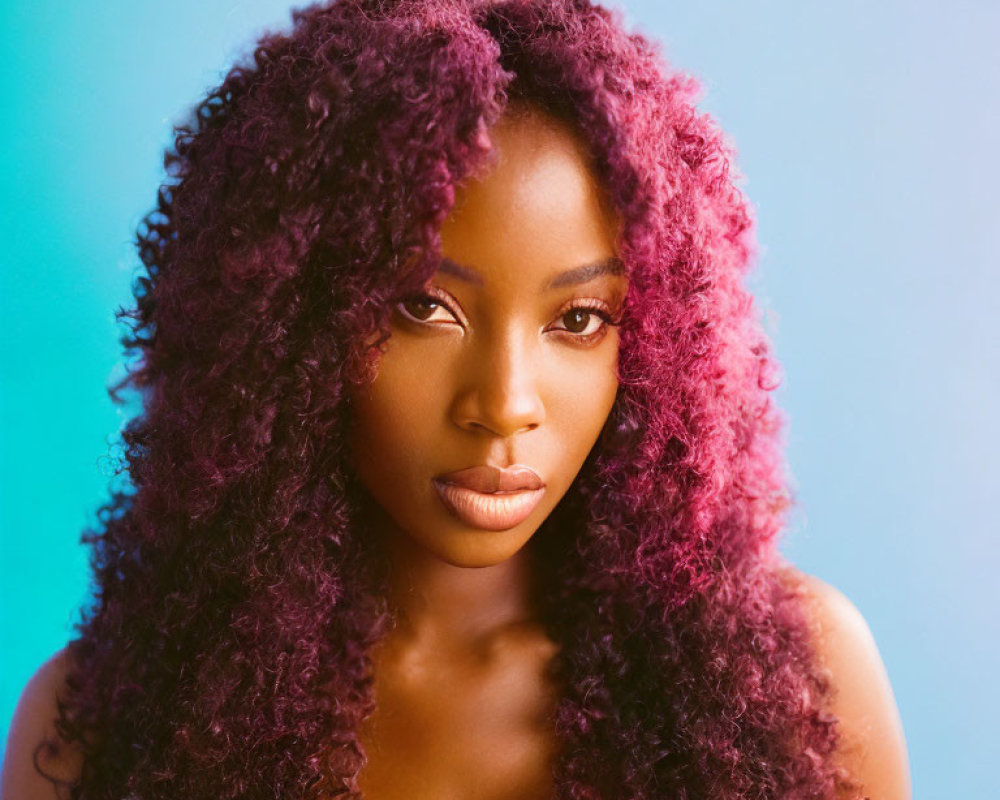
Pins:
x: 580, y: 316
x: 424, y: 305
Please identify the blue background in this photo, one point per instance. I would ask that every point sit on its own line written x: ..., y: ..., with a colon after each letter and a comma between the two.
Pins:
x: 868, y: 136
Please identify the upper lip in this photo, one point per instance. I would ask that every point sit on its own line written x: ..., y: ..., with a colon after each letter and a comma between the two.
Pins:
x: 490, y: 479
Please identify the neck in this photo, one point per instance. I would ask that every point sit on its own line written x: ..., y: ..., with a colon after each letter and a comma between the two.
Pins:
x: 437, y: 602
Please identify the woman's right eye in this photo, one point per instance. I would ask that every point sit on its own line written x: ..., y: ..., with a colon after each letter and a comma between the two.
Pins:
x: 422, y: 308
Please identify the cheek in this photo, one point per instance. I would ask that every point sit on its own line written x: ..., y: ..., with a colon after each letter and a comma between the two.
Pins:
x: 392, y: 418
x: 581, y: 397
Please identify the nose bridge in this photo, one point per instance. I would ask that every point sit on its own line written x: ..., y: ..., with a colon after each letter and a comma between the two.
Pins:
x: 503, y: 393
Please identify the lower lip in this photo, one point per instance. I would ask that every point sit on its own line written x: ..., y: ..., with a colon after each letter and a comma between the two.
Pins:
x: 489, y: 511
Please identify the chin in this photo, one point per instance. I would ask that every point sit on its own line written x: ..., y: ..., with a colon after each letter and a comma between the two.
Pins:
x: 478, y: 548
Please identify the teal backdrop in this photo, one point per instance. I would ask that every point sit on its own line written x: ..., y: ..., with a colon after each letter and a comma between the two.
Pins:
x: 868, y: 135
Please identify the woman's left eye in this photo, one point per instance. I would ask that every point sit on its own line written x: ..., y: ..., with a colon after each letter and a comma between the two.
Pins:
x: 585, y: 322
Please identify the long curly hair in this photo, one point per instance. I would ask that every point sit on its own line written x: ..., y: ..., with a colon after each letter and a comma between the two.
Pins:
x: 226, y: 650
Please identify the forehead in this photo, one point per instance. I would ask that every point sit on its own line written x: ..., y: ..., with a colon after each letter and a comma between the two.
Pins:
x: 609, y: 266
x: 540, y: 208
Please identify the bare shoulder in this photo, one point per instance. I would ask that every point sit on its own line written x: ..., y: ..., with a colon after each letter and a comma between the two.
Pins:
x: 32, y: 726
x: 873, y: 747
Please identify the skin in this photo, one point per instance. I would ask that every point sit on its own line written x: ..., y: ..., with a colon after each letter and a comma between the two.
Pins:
x: 873, y: 744
x: 874, y: 750
x: 462, y: 701
x: 501, y: 371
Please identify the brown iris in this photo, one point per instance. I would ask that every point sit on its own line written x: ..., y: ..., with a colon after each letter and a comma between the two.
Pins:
x: 424, y: 303
x: 582, y: 315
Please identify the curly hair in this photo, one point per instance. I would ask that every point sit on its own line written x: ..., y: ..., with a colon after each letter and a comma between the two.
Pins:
x: 226, y: 650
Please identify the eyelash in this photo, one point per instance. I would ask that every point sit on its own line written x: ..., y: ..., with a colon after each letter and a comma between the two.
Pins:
x: 592, y: 307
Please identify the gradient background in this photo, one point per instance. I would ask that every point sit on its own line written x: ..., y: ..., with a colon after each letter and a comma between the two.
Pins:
x: 868, y: 135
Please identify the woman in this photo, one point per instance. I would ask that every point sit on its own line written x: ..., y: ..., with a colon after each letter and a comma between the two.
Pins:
x: 458, y: 473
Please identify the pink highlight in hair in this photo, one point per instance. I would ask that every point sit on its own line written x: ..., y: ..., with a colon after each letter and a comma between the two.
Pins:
x: 226, y: 650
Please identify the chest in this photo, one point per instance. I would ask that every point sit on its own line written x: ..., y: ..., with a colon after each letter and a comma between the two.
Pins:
x: 452, y: 730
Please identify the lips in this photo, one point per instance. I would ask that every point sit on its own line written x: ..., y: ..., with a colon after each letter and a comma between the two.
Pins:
x: 489, y: 497
x: 491, y: 479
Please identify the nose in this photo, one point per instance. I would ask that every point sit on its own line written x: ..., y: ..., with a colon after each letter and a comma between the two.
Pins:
x: 502, y: 393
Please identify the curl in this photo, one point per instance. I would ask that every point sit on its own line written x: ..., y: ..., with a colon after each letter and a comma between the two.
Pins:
x: 226, y: 650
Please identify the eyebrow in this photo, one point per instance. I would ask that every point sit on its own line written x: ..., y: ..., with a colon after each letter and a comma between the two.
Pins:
x: 572, y: 277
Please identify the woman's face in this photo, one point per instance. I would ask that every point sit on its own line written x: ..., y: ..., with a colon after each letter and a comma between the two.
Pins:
x: 507, y: 360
